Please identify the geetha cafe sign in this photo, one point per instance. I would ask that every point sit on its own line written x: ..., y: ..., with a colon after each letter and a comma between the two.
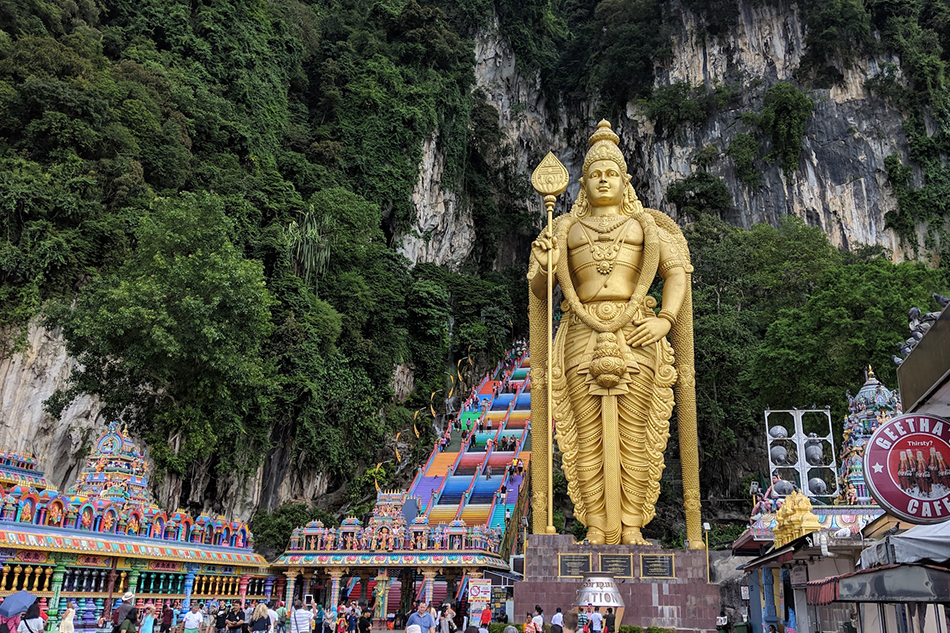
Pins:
x: 906, y: 468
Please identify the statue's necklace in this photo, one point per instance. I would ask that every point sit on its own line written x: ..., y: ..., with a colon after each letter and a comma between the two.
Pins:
x: 605, y: 224
x: 604, y: 254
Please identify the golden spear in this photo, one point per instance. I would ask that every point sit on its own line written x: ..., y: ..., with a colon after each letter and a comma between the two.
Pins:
x: 550, y: 179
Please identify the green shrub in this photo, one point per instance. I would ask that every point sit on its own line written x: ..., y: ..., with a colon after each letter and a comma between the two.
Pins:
x: 744, y: 150
x: 675, y: 106
x: 783, y: 120
x: 699, y: 193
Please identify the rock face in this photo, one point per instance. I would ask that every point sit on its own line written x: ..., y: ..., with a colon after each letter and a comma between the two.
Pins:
x: 841, y: 181
x: 840, y: 184
x: 27, y: 379
x: 441, y: 233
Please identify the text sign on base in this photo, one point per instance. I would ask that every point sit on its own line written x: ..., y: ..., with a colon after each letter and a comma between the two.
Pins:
x: 617, y: 565
x: 573, y: 565
x: 905, y: 466
x: 657, y: 566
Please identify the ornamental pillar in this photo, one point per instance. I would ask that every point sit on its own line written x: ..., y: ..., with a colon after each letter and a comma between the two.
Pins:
x: 307, y: 583
x: 768, y: 595
x: 58, y: 573
x: 382, y: 594
x: 334, y: 598
x: 192, y: 571
x: 428, y: 576
x: 291, y: 579
x: 279, y: 583
x: 134, y: 580
x: 242, y: 588
x: 364, y: 583
x: 268, y: 587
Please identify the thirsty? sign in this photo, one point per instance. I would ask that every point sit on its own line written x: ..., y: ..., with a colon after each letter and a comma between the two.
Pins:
x: 906, y: 469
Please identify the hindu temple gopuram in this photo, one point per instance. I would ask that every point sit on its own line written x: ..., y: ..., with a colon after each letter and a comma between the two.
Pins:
x: 106, y: 535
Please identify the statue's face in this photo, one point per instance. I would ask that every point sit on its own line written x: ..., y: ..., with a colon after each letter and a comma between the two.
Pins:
x: 604, y: 183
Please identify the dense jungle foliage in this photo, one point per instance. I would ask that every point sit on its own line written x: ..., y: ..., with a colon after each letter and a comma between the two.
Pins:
x: 208, y: 197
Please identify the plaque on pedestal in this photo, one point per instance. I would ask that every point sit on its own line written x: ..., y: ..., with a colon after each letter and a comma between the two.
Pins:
x: 617, y: 565
x: 657, y: 566
x: 573, y: 565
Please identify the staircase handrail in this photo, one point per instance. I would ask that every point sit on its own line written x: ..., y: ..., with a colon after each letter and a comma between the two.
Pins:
x: 434, y: 498
x: 508, y: 540
x: 494, y: 500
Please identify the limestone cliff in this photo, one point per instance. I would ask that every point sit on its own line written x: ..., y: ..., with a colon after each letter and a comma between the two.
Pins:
x: 840, y: 184
x: 27, y: 379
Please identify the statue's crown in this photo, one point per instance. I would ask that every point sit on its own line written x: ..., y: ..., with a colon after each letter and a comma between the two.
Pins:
x: 604, y: 145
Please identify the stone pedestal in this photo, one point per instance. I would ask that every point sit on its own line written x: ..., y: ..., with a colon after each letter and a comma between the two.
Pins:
x: 683, y: 602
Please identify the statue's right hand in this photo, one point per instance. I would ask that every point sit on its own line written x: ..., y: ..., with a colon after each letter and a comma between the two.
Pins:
x: 546, y: 246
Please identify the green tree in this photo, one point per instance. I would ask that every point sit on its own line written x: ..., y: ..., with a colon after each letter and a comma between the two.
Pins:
x: 171, y: 341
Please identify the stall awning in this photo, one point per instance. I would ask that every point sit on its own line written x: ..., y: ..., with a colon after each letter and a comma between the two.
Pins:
x: 918, y: 544
x: 892, y: 583
x: 773, y: 558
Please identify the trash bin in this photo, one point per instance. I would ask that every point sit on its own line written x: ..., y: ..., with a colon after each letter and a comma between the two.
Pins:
x: 742, y: 627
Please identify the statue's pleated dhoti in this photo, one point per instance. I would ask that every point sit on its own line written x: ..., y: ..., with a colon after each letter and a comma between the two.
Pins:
x: 622, y: 430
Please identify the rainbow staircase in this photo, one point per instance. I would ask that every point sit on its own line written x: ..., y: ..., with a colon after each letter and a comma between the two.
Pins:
x: 454, y: 485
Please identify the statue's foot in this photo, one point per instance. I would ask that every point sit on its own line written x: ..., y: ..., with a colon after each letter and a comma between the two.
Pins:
x: 632, y: 536
x: 596, y: 536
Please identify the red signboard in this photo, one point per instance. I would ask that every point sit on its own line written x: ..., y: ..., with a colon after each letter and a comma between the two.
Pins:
x: 906, y: 468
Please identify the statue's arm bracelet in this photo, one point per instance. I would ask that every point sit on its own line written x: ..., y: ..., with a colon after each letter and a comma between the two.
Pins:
x: 669, y: 316
x: 669, y: 264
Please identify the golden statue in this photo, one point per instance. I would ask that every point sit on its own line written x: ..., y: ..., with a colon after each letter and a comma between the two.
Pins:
x: 612, y: 368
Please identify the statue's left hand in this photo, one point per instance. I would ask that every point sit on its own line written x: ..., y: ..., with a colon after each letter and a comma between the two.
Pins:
x: 649, y: 330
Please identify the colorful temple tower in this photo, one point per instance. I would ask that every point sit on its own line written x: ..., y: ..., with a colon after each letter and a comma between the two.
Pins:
x: 106, y: 535
x: 873, y: 405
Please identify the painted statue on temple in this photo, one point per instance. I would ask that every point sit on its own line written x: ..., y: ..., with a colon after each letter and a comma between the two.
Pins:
x: 873, y: 405
x: 613, y: 367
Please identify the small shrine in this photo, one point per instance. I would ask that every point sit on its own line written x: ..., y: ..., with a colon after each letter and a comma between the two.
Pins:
x: 20, y: 469
x: 873, y: 405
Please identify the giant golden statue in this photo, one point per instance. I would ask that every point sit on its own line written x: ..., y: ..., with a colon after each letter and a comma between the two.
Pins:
x: 612, y: 368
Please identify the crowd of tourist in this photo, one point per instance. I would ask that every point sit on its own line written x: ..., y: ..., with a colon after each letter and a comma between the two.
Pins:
x: 222, y: 616
x: 428, y: 619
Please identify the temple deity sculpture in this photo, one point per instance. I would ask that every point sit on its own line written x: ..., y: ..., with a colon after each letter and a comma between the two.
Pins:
x: 613, y: 368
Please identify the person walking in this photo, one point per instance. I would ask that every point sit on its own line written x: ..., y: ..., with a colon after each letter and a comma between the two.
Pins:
x: 131, y: 622
x: 557, y: 621
x: 609, y: 621
x: 166, y: 618
x: 259, y: 620
x: 318, y: 619
x: 272, y: 617
x: 529, y: 623
x: 282, y: 618
x: 193, y: 619
x: 569, y: 624
x: 538, y: 619
x: 300, y: 620
x: 32, y: 621
x: 485, y: 618
x: 235, y: 619
x: 67, y: 624
x: 221, y: 618
x: 422, y: 618
x: 596, y: 621
x: 365, y: 623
